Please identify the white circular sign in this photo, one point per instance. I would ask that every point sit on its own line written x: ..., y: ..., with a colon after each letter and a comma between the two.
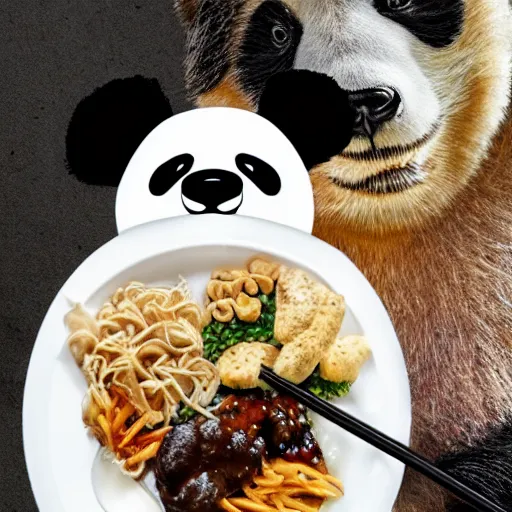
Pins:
x: 221, y: 161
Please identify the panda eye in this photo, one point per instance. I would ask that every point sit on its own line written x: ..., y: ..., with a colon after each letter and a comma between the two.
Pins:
x: 279, y: 36
x: 398, y: 5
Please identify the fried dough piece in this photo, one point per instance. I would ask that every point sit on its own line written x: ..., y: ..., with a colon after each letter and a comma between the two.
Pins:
x: 264, y: 267
x: 298, y: 297
x: 239, y: 366
x: 298, y: 358
x: 345, y: 358
x: 247, y: 309
x: 84, y: 333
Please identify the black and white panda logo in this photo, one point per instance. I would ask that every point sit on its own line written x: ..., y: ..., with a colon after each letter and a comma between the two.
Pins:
x: 214, y: 190
x: 216, y: 161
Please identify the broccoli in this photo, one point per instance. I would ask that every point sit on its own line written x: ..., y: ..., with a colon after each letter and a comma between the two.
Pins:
x: 326, y: 389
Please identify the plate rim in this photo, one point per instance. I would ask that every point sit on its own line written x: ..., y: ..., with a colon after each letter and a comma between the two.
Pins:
x: 234, y: 230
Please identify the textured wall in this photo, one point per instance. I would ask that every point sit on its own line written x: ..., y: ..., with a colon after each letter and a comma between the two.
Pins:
x: 52, y: 54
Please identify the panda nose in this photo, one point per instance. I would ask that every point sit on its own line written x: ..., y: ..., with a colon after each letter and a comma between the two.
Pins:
x: 212, y: 191
x: 373, y: 108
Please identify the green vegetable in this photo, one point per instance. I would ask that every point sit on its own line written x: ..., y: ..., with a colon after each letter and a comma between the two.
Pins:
x: 185, y: 414
x: 218, y: 336
x: 325, y: 388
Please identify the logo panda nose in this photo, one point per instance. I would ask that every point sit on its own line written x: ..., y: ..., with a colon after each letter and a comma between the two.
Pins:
x: 212, y: 191
x: 373, y: 108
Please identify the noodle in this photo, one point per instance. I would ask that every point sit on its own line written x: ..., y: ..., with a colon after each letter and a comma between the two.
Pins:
x: 142, y: 356
x: 285, y: 487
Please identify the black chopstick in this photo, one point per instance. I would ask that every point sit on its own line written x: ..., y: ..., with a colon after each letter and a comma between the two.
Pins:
x: 379, y: 440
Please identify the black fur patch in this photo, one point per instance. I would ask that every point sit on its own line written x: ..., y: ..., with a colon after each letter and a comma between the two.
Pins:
x: 108, y: 126
x: 486, y: 467
x: 208, y: 42
x: 269, y: 46
x: 312, y: 111
x: 437, y: 23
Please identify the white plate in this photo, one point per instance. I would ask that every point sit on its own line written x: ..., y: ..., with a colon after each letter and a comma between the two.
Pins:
x: 59, y: 454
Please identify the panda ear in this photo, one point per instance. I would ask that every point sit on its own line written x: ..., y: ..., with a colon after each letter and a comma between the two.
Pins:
x: 108, y: 126
x: 186, y: 10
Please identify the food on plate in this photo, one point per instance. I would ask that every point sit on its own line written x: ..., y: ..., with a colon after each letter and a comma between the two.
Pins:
x: 298, y: 297
x: 232, y: 292
x: 219, y: 336
x: 247, y: 309
x: 344, y: 359
x: 326, y: 389
x: 175, y: 388
x: 207, y: 465
x: 300, y: 316
x: 262, y: 266
x: 142, y: 358
x: 301, y: 355
x: 285, y: 486
x: 308, y: 319
x: 240, y: 366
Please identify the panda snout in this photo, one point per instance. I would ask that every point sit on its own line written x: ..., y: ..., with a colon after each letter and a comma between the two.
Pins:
x: 212, y: 191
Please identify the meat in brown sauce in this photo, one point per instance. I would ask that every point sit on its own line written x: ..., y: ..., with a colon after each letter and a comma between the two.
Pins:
x: 202, y: 461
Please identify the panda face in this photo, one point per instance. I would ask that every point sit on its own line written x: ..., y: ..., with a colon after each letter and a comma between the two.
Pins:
x: 216, y: 161
x: 213, y: 190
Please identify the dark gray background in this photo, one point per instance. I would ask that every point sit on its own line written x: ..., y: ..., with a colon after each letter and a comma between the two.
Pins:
x: 52, y: 54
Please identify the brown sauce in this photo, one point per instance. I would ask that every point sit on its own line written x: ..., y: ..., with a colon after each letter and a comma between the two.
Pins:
x: 202, y: 461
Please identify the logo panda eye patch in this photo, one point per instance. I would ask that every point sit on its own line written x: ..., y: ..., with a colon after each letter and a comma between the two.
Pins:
x: 263, y: 175
x: 169, y: 173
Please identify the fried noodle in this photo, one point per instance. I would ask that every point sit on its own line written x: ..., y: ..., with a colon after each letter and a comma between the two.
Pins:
x: 285, y: 487
x: 142, y: 357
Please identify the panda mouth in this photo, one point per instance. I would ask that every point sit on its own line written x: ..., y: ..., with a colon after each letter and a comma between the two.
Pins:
x: 389, y: 181
x: 387, y: 153
x: 227, y: 208
x: 387, y: 170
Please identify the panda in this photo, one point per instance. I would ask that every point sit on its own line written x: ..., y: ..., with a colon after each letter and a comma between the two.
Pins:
x: 419, y: 197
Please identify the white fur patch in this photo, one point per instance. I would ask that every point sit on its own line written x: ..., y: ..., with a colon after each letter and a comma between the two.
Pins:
x: 361, y: 49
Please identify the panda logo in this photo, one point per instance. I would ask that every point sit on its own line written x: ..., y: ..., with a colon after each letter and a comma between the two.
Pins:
x: 214, y: 190
x: 220, y: 161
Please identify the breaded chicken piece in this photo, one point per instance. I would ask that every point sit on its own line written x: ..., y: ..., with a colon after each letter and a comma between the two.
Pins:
x: 298, y: 358
x: 298, y: 297
x: 239, y: 366
x: 345, y: 358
